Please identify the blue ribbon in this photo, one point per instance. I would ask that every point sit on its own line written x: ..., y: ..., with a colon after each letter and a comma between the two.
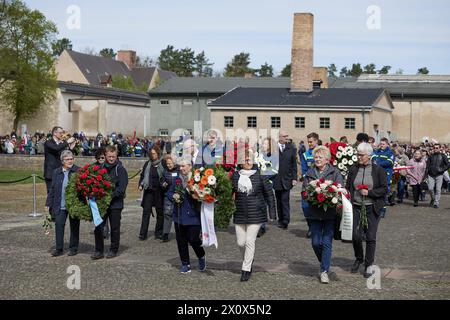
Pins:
x: 95, y: 213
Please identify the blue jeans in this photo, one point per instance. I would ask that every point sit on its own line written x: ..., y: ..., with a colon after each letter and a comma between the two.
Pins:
x: 60, y: 223
x: 401, y: 188
x: 322, y: 232
x: 306, y: 212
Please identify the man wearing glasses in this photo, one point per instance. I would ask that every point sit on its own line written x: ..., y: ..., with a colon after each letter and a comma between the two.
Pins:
x: 437, y: 164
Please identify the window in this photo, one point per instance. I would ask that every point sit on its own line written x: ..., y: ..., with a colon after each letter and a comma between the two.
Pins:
x: 228, y: 122
x: 251, y: 122
x: 276, y: 122
x: 299, y: 122
x: 324, y: 123
x: 187, y: 102
x: 349, y: 123
x: 163, y: 132
x: 163, y: 102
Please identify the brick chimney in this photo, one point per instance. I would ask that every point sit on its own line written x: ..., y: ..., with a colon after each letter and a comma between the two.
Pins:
x: 302, y: 53
x: 128, y: 57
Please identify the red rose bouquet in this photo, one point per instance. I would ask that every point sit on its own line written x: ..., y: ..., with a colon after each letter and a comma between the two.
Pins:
x: 325, y: 194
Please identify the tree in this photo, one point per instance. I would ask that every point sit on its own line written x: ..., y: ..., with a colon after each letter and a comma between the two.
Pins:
x: 90, y: 51
x: 168, y: 59
x: 187, y: 64
x: 203, y: 67
x: 108, y: 53
x: 332, y: 70
x: 238, y: 66
x: 145, y: 62
x: 356, y: 70
x: 120, y: 81
x: 423, y: 70
x: 384, y: 70
x: 27, y: 38
x: 286, y: 72
x: 60, y: 45
x: 266, y: 70
x: 370, y: 69
x: 344, y: 72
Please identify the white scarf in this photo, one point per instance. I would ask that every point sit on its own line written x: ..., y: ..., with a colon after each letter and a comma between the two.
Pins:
x: 244, y: 183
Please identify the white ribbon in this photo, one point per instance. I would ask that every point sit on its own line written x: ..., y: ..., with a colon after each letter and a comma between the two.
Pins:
x: 346, y: 227
x: 208, y: 232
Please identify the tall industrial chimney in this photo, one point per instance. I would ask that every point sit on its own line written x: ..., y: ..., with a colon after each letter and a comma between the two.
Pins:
x: 302, y: 53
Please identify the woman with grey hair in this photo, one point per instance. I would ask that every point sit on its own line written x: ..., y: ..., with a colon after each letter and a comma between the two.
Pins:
x: 322, y: 223
x: 56, y: 203
x: 367, y: 184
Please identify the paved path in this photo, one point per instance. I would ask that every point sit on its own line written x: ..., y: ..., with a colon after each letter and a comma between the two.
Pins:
x: 412, y: 252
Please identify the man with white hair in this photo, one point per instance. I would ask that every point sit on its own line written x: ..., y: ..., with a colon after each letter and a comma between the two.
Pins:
x: 191, y: 151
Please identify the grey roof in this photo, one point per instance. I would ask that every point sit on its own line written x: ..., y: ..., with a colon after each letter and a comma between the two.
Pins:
x: 102, y: 92
x: 282, y: 97
x: 142, y: 75
x: 166, y: 75
x: 94, y: 67
x: 399, y: 88
x: 188, y: 85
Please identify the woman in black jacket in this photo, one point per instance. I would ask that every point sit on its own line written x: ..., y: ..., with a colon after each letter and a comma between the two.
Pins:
x: 372, y: 196
x: 252, y: 193
x: 150, y: 183
x: 170, y: 172
x: 322, y: 222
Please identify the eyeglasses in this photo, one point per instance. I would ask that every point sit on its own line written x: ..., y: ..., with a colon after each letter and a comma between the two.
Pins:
x: 101, y: 158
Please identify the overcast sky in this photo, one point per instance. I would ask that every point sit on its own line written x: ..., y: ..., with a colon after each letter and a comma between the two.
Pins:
x: 409, y: 34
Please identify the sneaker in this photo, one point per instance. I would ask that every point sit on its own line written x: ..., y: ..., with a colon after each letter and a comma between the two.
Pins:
x: 416, y: 204
x: 185, y: 268
x: 324, y: 277
x: 355, y: 267
x: 57, y: 253
x: 436, y: 206
x: 202, y: 264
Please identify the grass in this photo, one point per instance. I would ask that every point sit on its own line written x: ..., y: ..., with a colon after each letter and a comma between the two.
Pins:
x: 11, y: 175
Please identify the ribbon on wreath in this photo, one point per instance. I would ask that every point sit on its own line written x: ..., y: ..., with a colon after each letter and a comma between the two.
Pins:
x: 207, y: 218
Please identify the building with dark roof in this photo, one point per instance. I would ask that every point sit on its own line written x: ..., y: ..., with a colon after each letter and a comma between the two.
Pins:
x: 93, y: 70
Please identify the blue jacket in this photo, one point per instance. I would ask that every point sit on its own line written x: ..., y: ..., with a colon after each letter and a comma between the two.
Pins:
x: 385, y: 159
x: 54, y: 195
x: 306, y: 160
x: 189, y: 210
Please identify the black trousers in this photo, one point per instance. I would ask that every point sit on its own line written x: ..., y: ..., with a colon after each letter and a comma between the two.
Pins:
x: 416, y: 192
x: 283, y: 208
x: 371, y: 235
x: 114, y: 216
x: 152, y: 199
x: 48, y: 184
x: 60, y: 223
x: 188, y: 235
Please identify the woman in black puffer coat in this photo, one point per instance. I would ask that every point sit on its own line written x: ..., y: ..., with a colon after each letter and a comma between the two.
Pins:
x: 252, y: 193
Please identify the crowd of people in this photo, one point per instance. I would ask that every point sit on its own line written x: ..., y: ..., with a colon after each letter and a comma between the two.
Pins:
x: 262, y: 176
x: 28, y: 144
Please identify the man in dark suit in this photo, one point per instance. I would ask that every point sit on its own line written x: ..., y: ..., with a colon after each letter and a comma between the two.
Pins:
x: 285, y: 179
x: 52, y: 150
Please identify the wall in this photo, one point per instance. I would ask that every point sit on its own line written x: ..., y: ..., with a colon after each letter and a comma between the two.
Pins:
x: 22, y: 162
x: 175, y: 115
x: 312, y: 122
x: 67, y: 70
x: 126, y: 118
x: 414, y: 119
